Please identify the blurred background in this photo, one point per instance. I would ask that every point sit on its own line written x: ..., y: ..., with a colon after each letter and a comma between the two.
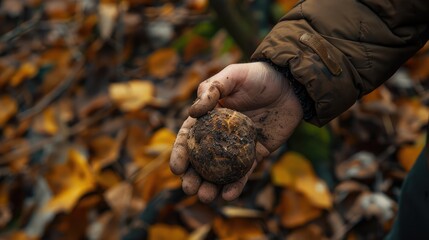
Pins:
x: 93, y: 92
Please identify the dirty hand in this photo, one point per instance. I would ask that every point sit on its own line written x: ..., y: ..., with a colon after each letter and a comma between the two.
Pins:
x: 258, y: 91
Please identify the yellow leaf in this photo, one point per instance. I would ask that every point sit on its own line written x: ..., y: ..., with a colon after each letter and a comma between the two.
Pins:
x: 46, y: 123
x: 408, y: 154
x: 132, y: 95
x: 160, y: 178
x: 296, y: 172
x: 315, y: 190
x: 295, y: 210
x: 71, y: 182
x: 8, y: 109
x: 162, y: 140
x: 231, y: 211
x: 291, y: 166
x: 26, y: 71
x: 167, y: 232
x: 237, y: 228
x: 162, y: 62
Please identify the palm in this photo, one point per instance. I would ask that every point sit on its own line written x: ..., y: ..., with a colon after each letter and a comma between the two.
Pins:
x: 254, y: 89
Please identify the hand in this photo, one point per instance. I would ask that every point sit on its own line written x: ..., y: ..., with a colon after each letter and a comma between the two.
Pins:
x: 258, y: 91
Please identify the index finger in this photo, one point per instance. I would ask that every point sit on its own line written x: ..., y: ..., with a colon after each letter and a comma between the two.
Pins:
x: 179, y: 159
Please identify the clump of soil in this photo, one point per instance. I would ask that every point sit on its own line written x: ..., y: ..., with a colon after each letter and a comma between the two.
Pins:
x: 222, y: 145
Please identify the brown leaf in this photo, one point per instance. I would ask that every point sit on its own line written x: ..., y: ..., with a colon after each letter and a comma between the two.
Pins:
x: 362, y: 165
x: 163, y: 62
x: 8, y: 109
x: 295, y: 210
x: 119, y: 197
x: 408, y: 154
x: 105, y: 150
x: 237, y: 228
x: 311, y: 231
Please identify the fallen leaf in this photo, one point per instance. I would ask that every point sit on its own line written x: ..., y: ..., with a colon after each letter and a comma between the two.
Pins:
x: 69, y: 182
x: 108, y: 13
x: 105, y: 150
x: 200, y: 233
x: 119, y: 197
x: 294, y: 171
x: 163, y: 62
x: 8, y: 109
x: 132, y: 95
x: 46, y: 122
x: 237, y: 228
x: 295, y: 210
x: 311, y: 231
x: 361, y: 165
x: 167, y: 232
x: 231, y: 212
x: 408, y: 153
x: 162, y: 140
x: 25, y: 71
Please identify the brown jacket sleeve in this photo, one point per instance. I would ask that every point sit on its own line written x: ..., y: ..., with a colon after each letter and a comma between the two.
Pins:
x: 340, y: 50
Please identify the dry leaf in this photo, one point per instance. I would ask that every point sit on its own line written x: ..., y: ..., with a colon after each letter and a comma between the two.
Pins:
x: 188, y: 84
x: 408, y: 154
x: 132, y: 95
x: 361, y: 165
x: 105, y: 150
x: 47, y: 122
x: 160, y: 178
x: 108, y: 13
x: 161, y: 141
x: 163, y: 62
x: 69, y: 182
x: 296, y: 172
x: 237, y: 228
x: 167, y: 232
x: 25, y: 71
x: 295, y: 210
x: 8, y: 109
x: 231, y: 212
x: 200, y: 233
x: 119, y: 197
x: 311, y: 231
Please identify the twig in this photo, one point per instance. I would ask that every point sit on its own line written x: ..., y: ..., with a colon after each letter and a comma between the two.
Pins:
x: 20, y: 30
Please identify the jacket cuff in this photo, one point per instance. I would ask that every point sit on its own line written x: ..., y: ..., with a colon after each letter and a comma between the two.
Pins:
x: 326, y: 74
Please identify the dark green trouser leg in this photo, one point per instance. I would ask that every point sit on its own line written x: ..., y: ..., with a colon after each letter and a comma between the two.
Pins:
x: 413, y: 218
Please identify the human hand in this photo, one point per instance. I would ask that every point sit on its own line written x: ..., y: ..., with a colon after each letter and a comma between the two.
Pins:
x: 258, y: 91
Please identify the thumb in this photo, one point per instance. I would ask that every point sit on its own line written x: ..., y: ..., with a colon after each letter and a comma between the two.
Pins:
x: 219, y: 86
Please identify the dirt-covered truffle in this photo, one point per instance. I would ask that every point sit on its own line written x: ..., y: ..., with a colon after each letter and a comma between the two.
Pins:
x: 221, y: 145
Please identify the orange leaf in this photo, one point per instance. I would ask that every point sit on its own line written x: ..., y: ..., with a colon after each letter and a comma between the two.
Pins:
x: 167, y: 232
x: 105, y: 150
x: 315, y: 190
x: 8, y: 109
x: 132, y: 95
x: 295, y: 210
x: 162, y: 62
x: 408, y: 154
x: 26, y: 71
x: 188, y: 85
x: 46, y: 123
x: 237, y: 228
